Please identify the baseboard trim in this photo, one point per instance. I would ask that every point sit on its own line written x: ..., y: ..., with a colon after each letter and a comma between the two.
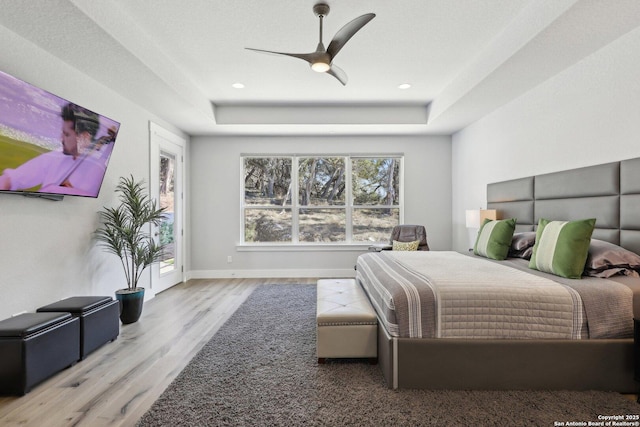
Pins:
x: 251, y: 274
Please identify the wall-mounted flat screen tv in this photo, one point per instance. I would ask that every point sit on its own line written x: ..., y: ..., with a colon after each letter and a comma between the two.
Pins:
x: 49, y: 145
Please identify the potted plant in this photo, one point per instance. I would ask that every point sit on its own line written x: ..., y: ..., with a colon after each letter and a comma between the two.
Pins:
x: 122, y: 233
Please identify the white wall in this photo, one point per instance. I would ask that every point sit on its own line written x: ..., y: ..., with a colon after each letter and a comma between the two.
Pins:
x: 587, y: 115
x: 46, y: 252
x: 215, y: 204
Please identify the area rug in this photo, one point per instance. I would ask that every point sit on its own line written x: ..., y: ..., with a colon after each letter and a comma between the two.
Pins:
x: 260, y: 369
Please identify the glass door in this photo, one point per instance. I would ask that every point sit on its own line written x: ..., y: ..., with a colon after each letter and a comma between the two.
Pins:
x: 167, y: 199
x: 166, y: 184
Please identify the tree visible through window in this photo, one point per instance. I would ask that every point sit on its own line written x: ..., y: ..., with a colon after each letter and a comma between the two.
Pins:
x: 340, y: 199
x: 376, y: 195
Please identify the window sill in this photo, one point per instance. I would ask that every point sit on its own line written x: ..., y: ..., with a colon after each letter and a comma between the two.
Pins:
x: 301, y: 247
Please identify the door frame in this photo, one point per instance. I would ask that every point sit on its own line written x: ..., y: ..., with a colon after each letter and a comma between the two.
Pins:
x: 157, y: 136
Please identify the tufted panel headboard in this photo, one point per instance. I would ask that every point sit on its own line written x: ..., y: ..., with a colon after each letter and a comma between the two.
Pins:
x: 609, y: 192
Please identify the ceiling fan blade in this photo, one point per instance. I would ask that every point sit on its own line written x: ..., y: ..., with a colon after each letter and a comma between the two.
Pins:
x: 309, y: 57
x: 346, y: 32
x: 339, y: 74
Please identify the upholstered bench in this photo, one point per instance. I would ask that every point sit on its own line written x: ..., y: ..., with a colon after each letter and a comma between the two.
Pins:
x: 99, y: 319
x: 346, y: 322
x: 34, y: 346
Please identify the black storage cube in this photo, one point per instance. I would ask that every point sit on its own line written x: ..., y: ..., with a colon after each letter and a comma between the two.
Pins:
x: 99, y: 319
x: 34, y: 346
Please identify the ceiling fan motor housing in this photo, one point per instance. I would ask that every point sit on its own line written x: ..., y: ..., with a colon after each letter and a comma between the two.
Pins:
x: 321, y: 9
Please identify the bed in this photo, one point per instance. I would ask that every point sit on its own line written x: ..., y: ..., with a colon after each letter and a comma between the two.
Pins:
x: 542, y: 331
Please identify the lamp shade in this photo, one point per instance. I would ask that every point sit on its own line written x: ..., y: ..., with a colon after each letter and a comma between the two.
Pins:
x: 474, y: 218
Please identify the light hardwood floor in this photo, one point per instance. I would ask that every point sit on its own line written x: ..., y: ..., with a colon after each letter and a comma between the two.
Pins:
x: 118, y: 383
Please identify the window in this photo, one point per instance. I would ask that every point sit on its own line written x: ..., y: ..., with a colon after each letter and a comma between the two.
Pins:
x: 376, y: 198
x: 320, y: 199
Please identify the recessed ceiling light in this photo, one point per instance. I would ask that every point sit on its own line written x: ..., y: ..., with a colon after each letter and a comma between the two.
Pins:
x: 238, y: 85
x: 404, y: 86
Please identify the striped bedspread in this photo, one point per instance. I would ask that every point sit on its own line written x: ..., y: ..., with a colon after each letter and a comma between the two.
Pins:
x: 441, y: 294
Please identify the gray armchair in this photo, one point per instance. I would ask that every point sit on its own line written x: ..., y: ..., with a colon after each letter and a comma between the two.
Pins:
x: 410, y: 233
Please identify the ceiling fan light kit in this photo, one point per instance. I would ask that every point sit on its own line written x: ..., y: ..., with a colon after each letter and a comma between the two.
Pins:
x: 320, y: 66
x: 322, y: 59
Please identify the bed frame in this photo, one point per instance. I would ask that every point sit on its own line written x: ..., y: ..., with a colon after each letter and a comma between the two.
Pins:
x: 608, y: 192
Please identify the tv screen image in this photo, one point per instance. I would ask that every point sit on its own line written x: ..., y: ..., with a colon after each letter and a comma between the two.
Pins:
x: 49, y: 145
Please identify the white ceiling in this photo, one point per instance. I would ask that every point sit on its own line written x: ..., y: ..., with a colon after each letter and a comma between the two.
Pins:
x: 179, y: 58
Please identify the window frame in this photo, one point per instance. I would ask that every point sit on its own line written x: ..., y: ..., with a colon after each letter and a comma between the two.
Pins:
x: 295, y: 206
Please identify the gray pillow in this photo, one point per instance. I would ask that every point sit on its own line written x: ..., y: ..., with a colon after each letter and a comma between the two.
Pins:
x: 522, y: 244
x: 606, y: 259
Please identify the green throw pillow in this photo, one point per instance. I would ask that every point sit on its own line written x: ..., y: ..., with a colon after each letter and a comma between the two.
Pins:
x: 562, y: 247
x: 494, y: 238
x: 405, y: 246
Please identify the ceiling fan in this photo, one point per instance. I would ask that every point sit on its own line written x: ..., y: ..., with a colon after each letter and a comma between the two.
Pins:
x: 322, y: 59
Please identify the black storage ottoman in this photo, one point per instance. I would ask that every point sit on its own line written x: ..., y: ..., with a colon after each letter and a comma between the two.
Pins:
x: 99, y: 319
x: 34, y: 346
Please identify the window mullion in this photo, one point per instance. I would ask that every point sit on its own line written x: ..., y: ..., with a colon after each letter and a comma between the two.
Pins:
x: 348, y: 202
x: 295, y: 208
x: 401, y: 195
